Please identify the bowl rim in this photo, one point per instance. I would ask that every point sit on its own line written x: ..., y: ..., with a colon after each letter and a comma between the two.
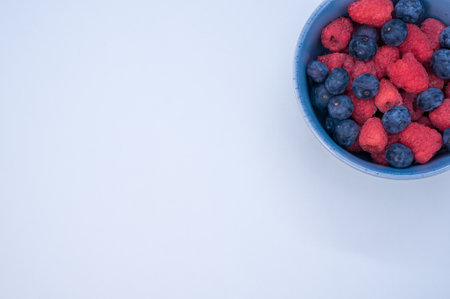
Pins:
x: 332, y: 147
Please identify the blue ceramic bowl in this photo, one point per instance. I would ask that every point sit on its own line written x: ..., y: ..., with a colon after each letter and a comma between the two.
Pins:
x: 309, y: 47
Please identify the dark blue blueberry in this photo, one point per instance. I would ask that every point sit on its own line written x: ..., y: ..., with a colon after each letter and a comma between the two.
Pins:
x: 446, y: 138
x: 365, y: 86
x: 440, y: 62
x: 346, y: 132
x: 321, y: 97
x: 396, y: 119
x: 317, y: 71
x: 363, y: 49
x: 394, y: 32
x: 337, y: 81
x: 340, y: 107
x: 399, y: 156
x: 430, y: 99
x: 330, y: 124
x: 365, y: 31
x: 410, y: 11
x: 445, y: 38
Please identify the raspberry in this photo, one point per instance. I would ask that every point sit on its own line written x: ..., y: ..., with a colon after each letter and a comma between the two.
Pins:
x: 362, y: 67
x: 380, y: 157
x: 441, y: 116
x: 423, y: 141
x: 417, y: 43
x: 355, y: 147
x: 409, y: 74
x: 410, y: 102
x: 371, y: 12
x: 425, y: 121
x: 349, y: 64
x: 386, y: 56
x: 435, y: 81
x: 388, y: 96
x: 373, y: 138
x: 337, y: 34
x: 333, y: 61
x: 362, y: 109
x: 433, y: 28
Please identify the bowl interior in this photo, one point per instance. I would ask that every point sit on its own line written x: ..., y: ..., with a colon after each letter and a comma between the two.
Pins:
x: 309, y: 47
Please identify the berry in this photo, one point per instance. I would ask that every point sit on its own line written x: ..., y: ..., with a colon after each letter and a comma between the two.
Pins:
x: 409, y: 74
x: 440, y: 62
x: 363, y: 49
x: 337, y: 34
x: 399, y: 156
x: 380, y: 158
x: 362, y: 109
x: 340, y: 107
x: 317, y: 71
x: 446, y: 138
x: 362, y: 67
x: 430, y: 99
x: 425, y: 121
x: 445, y: 38
x: 365, y: 86
x: 333, y: 60
x: 373, y: 137
x: 435, y: 81
x: 337, y: 81
x: 440, y: 117
x: 417, y: 43
x: 410, y: 102
x: 330, y: 124
x: 410, y: 11
x: 385, y: 56
x: 423, y: 141
x: 367, y: 32
x: 371, y: 12
x: 433, y: 28
x: 355, y: 147
x: 396, y: 119
x: 346, y: 132
x: 388, y: 96
x: 321, y: 97
x: 394, y: 32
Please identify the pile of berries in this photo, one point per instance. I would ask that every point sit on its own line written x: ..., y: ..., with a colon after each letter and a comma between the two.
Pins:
x: 384, y: 86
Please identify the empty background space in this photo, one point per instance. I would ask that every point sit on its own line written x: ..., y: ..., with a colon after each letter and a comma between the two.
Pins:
x: 156, y: 149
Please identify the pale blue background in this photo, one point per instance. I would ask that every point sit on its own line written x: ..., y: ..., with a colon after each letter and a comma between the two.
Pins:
x: 156, y: 150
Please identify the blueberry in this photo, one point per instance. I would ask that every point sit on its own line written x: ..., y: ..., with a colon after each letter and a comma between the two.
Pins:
x: 330, y: 124
x: 399, y: 155
x: 340, y: 107
x: 321, y: 97
x: 362, y: 48
x: 394, y: 32
x: 445, y: 38
x: 365, y: 31
x: 446, y: 138
x: 346, y: 132
x: 430, y: 99
x: 337, y: 81
x: 317, y: 71
x: 396, y: 119
x: 365, y: 86
x: 440, y: 62
x: 410, y: 11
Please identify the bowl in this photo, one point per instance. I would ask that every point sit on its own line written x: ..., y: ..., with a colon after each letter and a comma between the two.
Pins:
x: 309, y: 47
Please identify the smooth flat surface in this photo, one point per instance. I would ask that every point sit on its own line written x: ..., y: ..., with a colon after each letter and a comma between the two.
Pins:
x: 157, y: 150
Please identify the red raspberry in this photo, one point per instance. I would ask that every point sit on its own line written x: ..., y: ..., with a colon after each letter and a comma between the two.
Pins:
x: 333, y: 61
x: 423, y: 141
x: 410, y: 102
x: 380, y: 158
x: 349, y: 64
x: 433, y: 28
x: 435, y: 81
x: 354, y: 148
x: 447, y: 91
x: 373, y: 138
x: 425, y: 121
x: 386, y: 56
x: 388, y: 96
x: 441, y: 116
x: 337, y: 34
x: 371, y: 12
x: 362, y: 109
x: 362, y: 67
x: 409, y: 74
x: 417, y: 43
